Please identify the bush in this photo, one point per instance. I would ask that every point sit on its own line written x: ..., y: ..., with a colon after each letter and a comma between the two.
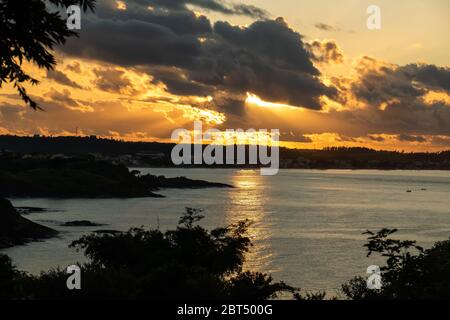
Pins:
x: 410, y: 271
x: 187, y: 263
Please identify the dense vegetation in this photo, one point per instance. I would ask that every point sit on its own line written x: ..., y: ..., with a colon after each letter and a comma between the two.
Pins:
x: 68, y: 178
x: 82, y: 177
x: 187, y: 263
x: 191, y: 262
x: 361, y: 158
x: 410, y: 271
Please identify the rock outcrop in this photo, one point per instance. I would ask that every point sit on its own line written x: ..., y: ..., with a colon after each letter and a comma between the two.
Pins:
x: 16, y: 230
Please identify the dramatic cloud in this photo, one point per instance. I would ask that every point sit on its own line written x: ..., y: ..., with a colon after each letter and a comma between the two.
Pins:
x: 10, y: 113
x: 405, y: 137
x: 177, y: 82
x: 64, y: 98
x: 74, y: 67
x: 376, y: 138
x: 62, y: 78
x: 326, y: 51
x: 182, y: 21
x: 392, y: 99
x: 384, y: 83
x: 112, y: 80
x: 213, y: 5
x: 106, y: 118
x: 131, y: 43
x: 267, y: 58
x: 146, y: 67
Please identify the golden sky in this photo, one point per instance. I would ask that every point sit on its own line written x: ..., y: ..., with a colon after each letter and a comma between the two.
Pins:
x: 311, y: 69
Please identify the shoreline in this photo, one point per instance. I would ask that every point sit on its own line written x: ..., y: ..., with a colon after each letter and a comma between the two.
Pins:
x: 257, y: 168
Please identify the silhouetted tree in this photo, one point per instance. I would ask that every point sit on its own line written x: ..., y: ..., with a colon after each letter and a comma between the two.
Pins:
x: 189, y: 262
x: 29, y: 31
x: 423, y: 275
x: 7, y: 277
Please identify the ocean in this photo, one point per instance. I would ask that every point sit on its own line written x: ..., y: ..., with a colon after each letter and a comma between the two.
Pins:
x: 306, y: 227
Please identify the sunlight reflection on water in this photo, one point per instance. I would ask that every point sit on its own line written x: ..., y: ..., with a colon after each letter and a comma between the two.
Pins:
x: 250, y: 204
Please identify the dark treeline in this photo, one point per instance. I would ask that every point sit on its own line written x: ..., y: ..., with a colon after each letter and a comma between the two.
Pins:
x: 143, y: 153
x: 78, y: 145
x: 82, y: 177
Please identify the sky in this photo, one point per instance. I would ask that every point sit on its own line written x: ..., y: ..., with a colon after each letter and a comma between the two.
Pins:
x: 312, y: 69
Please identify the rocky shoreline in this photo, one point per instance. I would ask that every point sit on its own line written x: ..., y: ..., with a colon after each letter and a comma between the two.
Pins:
x: 71, y: 178
x: 17, y: 230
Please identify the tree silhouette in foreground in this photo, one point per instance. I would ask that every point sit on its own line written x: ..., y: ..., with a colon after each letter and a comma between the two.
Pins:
x: 29, y: 31
x: 192, y: 263
x: 410, y: 271
x: 187, y: 263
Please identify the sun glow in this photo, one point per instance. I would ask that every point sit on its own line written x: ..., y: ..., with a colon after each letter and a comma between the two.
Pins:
x: 209, y: 117
x: 121, y: 5
x: 436, y: 97
x: 253, y: 99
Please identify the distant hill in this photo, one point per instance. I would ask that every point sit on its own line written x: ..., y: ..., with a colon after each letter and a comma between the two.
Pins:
x: 77, y: 145
x: 158, y: 154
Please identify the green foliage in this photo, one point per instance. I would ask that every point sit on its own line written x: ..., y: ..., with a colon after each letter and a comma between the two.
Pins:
x: 410, y: 271
x: 29, y: 31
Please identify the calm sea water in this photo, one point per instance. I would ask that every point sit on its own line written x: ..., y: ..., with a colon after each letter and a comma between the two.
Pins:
x: 307, y: 224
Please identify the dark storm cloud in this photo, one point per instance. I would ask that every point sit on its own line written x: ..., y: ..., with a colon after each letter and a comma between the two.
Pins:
x: 267, y: 58
x: 405, y: 83
x: 395, y: 98
x: 326, y: 51
x: 111, y: 79
x: 131, y: 43
x: 271, y: 40
x: 412, y: 118
x: 233, y: 106
x: 431, y: 76
x: 179, y: 22
x: 225, y: 7
x: 62, y: 78
x: 378, y: 87
x: 177, y: 82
